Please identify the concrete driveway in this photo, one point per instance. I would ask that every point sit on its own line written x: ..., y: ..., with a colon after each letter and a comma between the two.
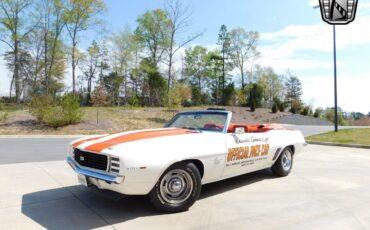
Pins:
x: 329, y: 188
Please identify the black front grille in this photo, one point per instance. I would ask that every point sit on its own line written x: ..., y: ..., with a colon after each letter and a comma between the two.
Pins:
x: 91, y: 160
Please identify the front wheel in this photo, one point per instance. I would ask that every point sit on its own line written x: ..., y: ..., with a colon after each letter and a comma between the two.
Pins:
x: 284, y: 163
x: 177, y: 189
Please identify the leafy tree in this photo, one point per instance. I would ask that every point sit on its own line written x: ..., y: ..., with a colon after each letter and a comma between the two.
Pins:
x: 17, y: 22
x: 196, y: 66
x: 293, y: 87
x: 154, y: 32
x: 271, y: 83
x: 112, y: 83
x: 243, y: 47
x: 229, y: 94
x: 52, y: 25
x: 154, y: 85
x: 214, y: 73
x: 255, y: 96
x: 80, y: 16
x: 125, y: 51
x: 224, y: 42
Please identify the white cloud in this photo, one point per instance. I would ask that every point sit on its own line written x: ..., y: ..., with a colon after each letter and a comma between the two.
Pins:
x: 318, y: 37
x: 353, y: 92
x: 302, y: 48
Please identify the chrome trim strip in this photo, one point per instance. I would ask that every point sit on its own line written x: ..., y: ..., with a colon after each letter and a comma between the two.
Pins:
x: 88, y: 173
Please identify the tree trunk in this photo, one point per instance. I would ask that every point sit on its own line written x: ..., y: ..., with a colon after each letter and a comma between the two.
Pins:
x: 46, y: 62
x: 223, y: 76
x: 73, y: 70
x: 74, y: 62
x: 16, y: 72
x: 11, y: 87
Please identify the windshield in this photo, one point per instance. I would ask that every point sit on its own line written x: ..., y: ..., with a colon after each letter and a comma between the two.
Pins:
x: 199, y: 121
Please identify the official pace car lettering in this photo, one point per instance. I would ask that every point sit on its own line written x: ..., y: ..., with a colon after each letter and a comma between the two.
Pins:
x: 98, y: 147
x: 247, y: 155
x: 241, y: 153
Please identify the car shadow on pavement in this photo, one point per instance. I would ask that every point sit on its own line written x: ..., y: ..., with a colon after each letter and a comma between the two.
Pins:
x: 219, y: 187
x: 76, y: 207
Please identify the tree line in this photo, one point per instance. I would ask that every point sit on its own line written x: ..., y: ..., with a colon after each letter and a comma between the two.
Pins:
x: 140, y: 66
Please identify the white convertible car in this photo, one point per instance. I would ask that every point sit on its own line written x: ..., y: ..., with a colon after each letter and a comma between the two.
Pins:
x: 171, y: 164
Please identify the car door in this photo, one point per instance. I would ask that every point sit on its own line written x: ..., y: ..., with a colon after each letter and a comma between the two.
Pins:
x: 246, y: 152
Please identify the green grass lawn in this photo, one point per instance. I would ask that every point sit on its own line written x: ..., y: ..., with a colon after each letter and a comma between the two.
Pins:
x: 345, y: 136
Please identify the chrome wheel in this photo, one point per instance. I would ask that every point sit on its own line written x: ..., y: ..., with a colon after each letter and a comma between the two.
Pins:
x: 176, y: 186
x: 286, y: 160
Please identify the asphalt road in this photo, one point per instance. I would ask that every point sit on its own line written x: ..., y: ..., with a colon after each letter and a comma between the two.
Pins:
x: 20, y: 150
x: 36, y: 149
x: 328, y: 188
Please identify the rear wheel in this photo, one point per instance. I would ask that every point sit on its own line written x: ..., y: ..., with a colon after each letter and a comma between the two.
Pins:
x: 284, y: 163
x: 177, y: 189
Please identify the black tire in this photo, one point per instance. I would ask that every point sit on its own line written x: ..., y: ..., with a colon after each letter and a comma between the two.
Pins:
x: 177, y: 189
x: 284, y: 163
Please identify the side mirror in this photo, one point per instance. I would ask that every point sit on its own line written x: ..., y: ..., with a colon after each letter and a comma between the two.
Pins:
x: 239, y: 130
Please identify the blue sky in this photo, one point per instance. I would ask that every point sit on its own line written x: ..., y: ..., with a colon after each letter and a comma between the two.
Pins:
x: 293, y: 37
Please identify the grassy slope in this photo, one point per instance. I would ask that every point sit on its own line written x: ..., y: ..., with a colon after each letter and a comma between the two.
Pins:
x: 111, y: 120
x: 346, y: 136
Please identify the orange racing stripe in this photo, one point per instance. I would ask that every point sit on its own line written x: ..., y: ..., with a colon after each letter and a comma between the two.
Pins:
x: 98, y: 147
x: 86, y: 140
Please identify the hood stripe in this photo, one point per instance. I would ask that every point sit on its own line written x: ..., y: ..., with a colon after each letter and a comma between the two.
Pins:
x: 77, y: 143
x: 98, y: 147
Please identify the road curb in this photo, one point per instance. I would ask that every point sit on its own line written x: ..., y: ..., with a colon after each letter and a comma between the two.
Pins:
x: 339, y: 145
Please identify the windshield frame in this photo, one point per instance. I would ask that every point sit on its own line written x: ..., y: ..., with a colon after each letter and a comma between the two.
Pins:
x: 214, y: 112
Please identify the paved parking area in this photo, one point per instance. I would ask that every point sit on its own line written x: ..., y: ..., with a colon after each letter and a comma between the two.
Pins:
x: 329, y: 188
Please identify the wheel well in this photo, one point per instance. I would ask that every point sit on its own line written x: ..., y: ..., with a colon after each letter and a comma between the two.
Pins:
x: 197, y: 164
x: 291, y: 148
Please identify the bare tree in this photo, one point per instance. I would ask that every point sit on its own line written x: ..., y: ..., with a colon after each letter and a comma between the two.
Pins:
x: 180, y: 21
x: 53, y: 23
x: 90, y: 66
x: 243, y: 49
x: 80, y: 16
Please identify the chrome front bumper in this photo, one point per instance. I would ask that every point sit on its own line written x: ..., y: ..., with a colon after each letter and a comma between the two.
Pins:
x: 93, y: 174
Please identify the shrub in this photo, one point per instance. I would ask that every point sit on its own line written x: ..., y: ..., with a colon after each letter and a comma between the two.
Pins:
x: 318, y: 112
x: 3, y: 114
x: 274, y: 108
x: 296, y: 106
x: 134, y: 101
x: 280, y: 105
x: 67, y: 111
x: 71, y: 111
x: 306, y: 111
x: 177, y: 95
